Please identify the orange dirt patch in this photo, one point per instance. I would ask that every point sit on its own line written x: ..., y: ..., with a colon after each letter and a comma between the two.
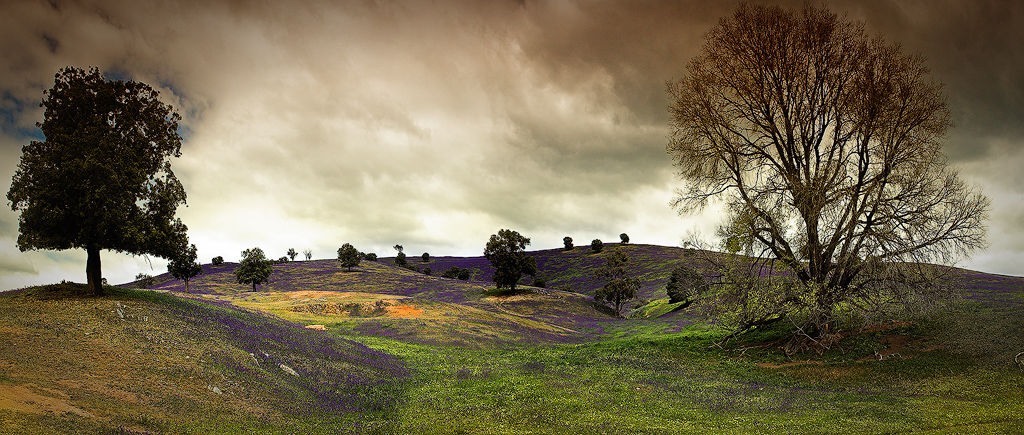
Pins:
x: 404, y: 311
x: 20, y: 398
x: 317, y: 327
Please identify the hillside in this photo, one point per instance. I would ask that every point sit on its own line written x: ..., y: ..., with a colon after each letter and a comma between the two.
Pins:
x: 395, y: 351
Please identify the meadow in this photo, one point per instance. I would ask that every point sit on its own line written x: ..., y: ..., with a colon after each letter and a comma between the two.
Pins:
x: 383, y: 349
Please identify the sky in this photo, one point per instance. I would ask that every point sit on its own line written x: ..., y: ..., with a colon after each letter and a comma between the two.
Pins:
x: 433, y: 124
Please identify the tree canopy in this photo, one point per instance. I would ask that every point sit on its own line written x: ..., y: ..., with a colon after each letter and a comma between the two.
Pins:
x: 254, y: 268
x: 101, y: 178
x: 824, y: 145
x: 348, y: 256
x: 619, y: 287
x: 184, y: 266
x: 507, y: 253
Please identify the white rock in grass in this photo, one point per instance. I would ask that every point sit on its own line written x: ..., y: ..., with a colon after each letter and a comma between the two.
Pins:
x: 288, y: 370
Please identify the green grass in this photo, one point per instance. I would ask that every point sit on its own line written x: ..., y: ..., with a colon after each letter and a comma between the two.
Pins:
x: 675, y: 383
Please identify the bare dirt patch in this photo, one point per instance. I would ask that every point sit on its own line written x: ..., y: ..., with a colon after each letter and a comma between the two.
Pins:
x: 405, y: 311
x: 23, y: 399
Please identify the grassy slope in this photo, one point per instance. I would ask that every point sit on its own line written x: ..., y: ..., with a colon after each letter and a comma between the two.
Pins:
x: 470, y: 361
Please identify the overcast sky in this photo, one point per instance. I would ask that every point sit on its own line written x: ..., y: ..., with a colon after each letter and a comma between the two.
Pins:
x: 309, y: 124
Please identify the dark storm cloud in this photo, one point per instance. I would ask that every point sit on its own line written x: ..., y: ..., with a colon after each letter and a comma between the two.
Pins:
x: 433, y: 124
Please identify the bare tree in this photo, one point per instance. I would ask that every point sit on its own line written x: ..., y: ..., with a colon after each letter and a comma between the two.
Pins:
x: 825, y: 147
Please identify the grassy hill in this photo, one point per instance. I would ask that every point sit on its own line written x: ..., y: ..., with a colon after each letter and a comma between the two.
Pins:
x: 403, y: 352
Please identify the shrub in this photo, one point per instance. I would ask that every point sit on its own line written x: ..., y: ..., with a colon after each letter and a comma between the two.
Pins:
x: 218, y: 260
x: 624, y: 238
x: 370, y: 257
x: 144, y: 280
x: 685, y: 285
x: 539, y: 282
x: 425, y: 257
x: 456, y: 272
x: 400, y: 259
x: 427, y: 271
x: 568, y: 243
x: 596, y: 245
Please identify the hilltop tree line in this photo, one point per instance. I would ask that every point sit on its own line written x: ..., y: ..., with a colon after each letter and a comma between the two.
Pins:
x: 823, y: 145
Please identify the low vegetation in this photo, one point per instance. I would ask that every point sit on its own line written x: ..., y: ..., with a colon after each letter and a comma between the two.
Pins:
x: 388, y: 350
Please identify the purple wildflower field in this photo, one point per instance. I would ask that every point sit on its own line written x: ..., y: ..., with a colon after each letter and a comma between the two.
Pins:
x: 381, y: 299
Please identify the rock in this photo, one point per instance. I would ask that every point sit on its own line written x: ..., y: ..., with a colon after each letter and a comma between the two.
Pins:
x: 214, y: 389
x: 288, y: 370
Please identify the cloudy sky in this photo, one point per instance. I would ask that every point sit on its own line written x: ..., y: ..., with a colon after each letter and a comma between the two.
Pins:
x: 433, y: 124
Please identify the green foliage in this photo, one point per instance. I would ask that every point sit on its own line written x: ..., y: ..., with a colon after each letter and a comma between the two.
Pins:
x: 144, y: 280
x: 620, y: 287
x: 348, y: 256
x: 456, y: 272
x: 370, y: 257
x: 254, y: 268
x: 101, y: 178
x: 507, y: 253
x: 540, y: 282
x: 567, y: 241
x: 685, y: 285
x: 596, y: 246
x: 425, y: 257
x: 400, y: 259
x: 184, y: 266
x: 292, y: 253
x: 217, y: 261
x: 624, y: 238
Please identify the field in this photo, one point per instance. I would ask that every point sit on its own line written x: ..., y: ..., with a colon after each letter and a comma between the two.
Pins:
x: 383, y: 349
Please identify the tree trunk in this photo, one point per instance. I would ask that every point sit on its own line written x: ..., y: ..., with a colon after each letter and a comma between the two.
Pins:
x: 92, y: 271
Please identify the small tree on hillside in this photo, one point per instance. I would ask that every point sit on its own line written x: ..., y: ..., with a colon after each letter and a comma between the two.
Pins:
x: 348, y: 256
x: 685, y: 285
x: 506, y: 252
x: 144, y: 280
x: 308, y: 253
x: 567, y: 241
x: 217, y: 261
x: 624, y: 238
x: 370, y: 256
x: 596, y: 246
x: 292, y: 254
x: 254, y: 268
x: 400, y: 258
x: 425, y: 257
x: 620, y: 287
x: 185, y: 267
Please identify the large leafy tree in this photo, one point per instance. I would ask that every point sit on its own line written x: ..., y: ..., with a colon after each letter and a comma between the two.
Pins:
x: 254, y: 269
x: 824, y: 145
x: 184, y: 266
x: 619, y: 286
x: 507, y: 253
x: 101, y: 178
